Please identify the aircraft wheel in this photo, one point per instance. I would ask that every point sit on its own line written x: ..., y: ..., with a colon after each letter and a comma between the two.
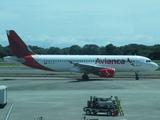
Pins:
x: 137, y: 78
x: 85, y: 77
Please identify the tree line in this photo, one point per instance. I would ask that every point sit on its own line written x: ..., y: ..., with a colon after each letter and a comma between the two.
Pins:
x: 152, y: 52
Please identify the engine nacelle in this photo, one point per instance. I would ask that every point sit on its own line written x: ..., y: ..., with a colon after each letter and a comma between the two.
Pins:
x: 107, y: 72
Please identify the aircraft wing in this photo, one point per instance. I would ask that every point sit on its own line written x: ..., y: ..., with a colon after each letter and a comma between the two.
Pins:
x: 88, y: 68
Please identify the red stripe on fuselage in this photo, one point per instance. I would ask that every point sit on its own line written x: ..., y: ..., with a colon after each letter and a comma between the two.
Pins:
x: 31, y: 62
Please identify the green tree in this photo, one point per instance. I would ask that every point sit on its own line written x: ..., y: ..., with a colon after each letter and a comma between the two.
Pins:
x: 131, y: 49
x: 75, y: 50
x: 91, y: 49
x: 102, y: 50
x: 38, y: 50
x: 65, y: 51
x: 4, y: 51
x: 54, y: 50
x: 155, y: 52
x: 111, y: 50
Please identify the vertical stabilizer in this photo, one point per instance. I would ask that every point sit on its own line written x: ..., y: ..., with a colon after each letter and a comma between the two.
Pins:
x: 17, y: 46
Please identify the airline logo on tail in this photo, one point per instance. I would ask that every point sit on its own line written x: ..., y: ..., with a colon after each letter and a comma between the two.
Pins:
x: 19, y: 49
x: 17, y: 46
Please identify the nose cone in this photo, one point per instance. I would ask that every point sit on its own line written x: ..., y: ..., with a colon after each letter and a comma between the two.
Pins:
x: 154, y: 66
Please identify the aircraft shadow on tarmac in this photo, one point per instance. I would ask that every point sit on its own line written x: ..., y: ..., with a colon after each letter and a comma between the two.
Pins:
x: 94, y: 79
x: 97, y: 115
x: 8, y: 79
x: 102, y: 79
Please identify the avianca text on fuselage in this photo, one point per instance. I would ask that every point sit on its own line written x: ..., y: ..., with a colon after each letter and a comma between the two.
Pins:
x: 109, y: 61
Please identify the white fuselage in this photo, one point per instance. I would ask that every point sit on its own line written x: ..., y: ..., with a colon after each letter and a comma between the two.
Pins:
x: 121, y: 63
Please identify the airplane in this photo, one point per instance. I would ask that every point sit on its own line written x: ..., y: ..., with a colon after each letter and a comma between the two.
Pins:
x: 101, y: 65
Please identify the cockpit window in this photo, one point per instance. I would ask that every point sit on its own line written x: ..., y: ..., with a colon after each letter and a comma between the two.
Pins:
x: 148, y: 60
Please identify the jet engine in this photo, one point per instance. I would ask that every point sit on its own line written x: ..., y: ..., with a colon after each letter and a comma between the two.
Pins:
x: 107, y: 72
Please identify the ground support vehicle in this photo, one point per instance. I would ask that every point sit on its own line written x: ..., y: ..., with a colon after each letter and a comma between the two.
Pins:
x: 103, y: 105
x: 3, y: 96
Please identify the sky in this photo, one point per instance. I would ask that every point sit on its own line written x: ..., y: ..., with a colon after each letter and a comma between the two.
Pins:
x: 63, y: 23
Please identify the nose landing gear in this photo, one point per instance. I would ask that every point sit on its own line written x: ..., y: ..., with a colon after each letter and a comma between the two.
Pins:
x: 137, y: 77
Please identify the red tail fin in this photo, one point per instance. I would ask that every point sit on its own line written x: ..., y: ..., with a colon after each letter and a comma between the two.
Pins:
x: 17, y: 46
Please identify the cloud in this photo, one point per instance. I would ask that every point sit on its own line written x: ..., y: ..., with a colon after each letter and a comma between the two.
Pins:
x: 67, y: 41
x: 65, y: 23
x: 144, y: 39
x: 47, y: 41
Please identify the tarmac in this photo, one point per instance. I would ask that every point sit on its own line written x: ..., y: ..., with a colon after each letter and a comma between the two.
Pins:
x: 60, y: 98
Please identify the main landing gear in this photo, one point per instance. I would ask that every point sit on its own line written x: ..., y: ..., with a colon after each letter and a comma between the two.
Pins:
x: 85, y: 77
x: 137, y: 78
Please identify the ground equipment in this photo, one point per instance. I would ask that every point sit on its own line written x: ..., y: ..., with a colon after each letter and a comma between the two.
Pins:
x: 3, y: 96
x: 103, y: 105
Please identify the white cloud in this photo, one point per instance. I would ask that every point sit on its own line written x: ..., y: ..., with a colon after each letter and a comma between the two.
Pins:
x: 64, y: 23
x: 67, y: 41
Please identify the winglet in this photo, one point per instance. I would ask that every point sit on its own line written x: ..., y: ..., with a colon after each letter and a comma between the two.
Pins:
x: 17, y: 46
